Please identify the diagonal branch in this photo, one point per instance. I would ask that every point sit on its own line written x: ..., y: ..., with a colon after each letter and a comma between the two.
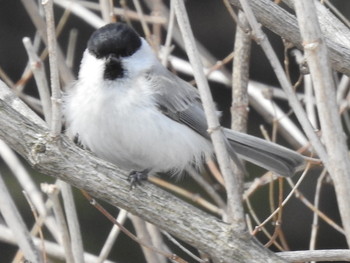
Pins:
x: 316, y: 53
x: 284, y: 24
x: 28, y: 135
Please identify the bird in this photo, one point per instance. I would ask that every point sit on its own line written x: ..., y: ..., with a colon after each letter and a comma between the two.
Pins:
x: 130, y: 110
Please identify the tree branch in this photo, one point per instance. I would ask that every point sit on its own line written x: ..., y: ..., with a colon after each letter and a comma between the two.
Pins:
x: 316, y: 53
x: 284, y: 24
x: 28, y: 135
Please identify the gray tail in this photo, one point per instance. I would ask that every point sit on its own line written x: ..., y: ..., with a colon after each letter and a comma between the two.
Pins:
x: 265, y: 154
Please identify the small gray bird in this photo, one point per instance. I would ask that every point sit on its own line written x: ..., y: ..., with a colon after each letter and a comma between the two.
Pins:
x: 130, y: 110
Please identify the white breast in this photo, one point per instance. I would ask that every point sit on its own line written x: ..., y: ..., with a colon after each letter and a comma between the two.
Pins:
x: 120, y: 122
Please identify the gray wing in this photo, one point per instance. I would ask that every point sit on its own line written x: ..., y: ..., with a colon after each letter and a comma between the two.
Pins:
x: 181, y: 102
x: 178, y: 100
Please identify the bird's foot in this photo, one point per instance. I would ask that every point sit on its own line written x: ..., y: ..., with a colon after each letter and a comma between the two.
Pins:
x: 136, y: 177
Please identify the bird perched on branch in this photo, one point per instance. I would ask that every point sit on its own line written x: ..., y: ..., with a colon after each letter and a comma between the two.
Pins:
x: 130, y: 110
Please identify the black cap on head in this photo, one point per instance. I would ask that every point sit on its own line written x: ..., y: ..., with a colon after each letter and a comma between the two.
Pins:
x: 116, y: 38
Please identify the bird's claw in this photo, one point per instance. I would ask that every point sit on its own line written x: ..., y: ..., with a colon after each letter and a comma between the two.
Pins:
x: 136, y: 177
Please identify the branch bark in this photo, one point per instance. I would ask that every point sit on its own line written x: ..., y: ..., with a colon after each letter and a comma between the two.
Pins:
x: 235, y: 213
x: 284, y: 24
x: 316, y: 53
x: 28, y: 135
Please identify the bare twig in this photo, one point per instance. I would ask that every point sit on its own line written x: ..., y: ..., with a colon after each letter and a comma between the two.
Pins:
x: 142, y: 234
x: 316, y: 255
x: 240, y: 78
x: 316, y: 53
x: 315, y: 220
x: 128, y: 233
x: 186, y: 194
x: 308, y: 204
x: 167, y: 45
x: 80, y: 11
x: 52, y: 192
x: 284, y: 24
x: 258, y: 222
x: 158, y: 241
x: 232, y: 182
x: 291, y: 193
x: 271, y: 111
x: 56, y: 117
x: 113, y: 234
x: 123, y: 12
x: 52, y: 249
x: 40, y: 78
x: 6, y: 78
x: 207, y: 187
x: 283, y: 80
x: 15, y: 222
x: 73, y: 36
x: 143, y: 21
x: 72, y: 220
x: 26, y: 133
x: 175, y: 242
x: 23, y: 177
x: 267, y: 108
x: 32, y: 9
x: 106, y: 10
x: 40, y: 231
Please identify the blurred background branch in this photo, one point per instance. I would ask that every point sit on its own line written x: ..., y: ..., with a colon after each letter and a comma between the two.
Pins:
x: 244, y: 87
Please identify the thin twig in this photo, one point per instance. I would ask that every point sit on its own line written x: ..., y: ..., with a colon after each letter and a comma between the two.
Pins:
x: 6, y: 78
x: 240, y: 78
x: 112, y: 236
x: 40, y: 78
x: 52, y: 191
x: 316, y: 255
x: 80, y: 11
x: 175, y: 242
x: 258, y: 101
x: 32, y: 10
x: 56, y: 117
x: 167, y: 45
x: 158, y: 241
x: 315, y: 226
x: 283, y: 80
x: 106, y: 10
x: 235, y: 214
x: 143, y: 234
x: 15, y: 222
x: 188, y: 195
x: 208, y: 187
x: 24, y: 178
x: 291, y: 193
x: 73, y: 222
x: 309, y: 205
x: 258, y: 222
x: 316, y: 53
x: 52, y: 249
x: 215, y: 171
x: 40, y: 231
x: 127, y: 232
x: 343, y: 88
x: 123, y: 12
x: 72, y: 43
x: 143, y: 21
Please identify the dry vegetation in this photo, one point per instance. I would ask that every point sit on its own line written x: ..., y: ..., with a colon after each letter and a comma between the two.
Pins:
x: 215, y: 220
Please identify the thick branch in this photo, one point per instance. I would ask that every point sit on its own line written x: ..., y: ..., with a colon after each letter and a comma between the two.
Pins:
x: 27, y: 134
x: 285, y: 25
x: 317, y: 57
